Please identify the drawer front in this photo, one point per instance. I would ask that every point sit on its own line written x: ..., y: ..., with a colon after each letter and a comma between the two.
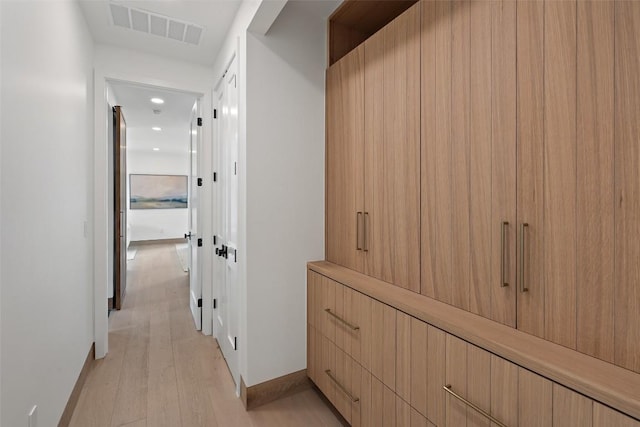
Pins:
x: 339, y: 377
x: 344, y: 316
x: 481, y: 387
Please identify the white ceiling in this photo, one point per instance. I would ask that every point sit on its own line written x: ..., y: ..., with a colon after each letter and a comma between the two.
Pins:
x: 174, y: 119
x: 215, y: 16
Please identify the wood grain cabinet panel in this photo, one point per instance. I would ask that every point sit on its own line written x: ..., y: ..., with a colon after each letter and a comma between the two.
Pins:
x: 326, y: 300
x: 604, y: 416
x: 383, y: 343
x: 345, y: 159
x: 340, y: 378
x: 373, y: 155
x: 480, y: 379
x: 468, y: 169
x: 578, y: 98
x: 571, y: 409
x: 626, y: 287
x: 535, y: 400
x: 392, y: 151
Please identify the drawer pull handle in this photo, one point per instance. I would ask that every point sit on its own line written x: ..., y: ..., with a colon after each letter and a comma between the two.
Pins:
x: 523, y: 229
x: 366, y: 232
x: 447, y: 388
x: 358, y: 222
x: 341, y: 387
x: 341, y: 320
x: 503, y: 280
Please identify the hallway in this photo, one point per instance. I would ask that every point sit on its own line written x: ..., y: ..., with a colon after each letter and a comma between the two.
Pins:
x: 160, y: 371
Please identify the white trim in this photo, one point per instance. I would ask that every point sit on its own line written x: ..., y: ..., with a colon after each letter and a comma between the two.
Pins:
x: 101, y: 179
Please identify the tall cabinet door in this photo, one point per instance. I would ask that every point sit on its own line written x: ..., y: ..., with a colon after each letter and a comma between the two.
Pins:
x: 468, y: 168
x: 392, y: 152
x: 345, y: 161
x: 578, y: 111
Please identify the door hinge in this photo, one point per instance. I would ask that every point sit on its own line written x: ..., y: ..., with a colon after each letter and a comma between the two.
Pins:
x: 199, y: 302
x: 199, y: 242
x: 235, y: 343
x: 199, y: 182
x: 215, y: 303
x: 215, y: 113
x: 199, y: 121
x: 215, y: 239
x: 215, y: 176
x: 235, y: 255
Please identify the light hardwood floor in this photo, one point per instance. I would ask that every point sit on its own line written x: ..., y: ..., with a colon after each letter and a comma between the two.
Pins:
x: 160, y: 371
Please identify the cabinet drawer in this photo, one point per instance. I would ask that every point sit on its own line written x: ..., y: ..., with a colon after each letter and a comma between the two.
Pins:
x: 480, y: 387
x: 362, y: 327
x: 339, y: 377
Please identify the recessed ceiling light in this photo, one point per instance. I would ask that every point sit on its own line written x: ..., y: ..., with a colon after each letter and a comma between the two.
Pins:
x: 156, y: 149
x: 156, y: 128
x: 157, y: 100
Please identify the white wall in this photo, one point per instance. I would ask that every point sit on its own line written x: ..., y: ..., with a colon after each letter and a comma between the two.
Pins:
x: 285, y: 185
x: 46, y: 182
x: 1, y: 210
x: 154, y: 224
x: 117, y: 64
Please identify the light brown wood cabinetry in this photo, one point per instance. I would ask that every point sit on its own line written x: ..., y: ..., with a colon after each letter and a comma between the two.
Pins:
x: 605, y: 417
x: 345, y: 160
x: 542, y: 95
x: 578, y: 186
x: 392, y: 151
x: 373, y: 155
x: 486, y: 155
x: 411, y: 362
x: 468, y: 169
x: 535, y: 399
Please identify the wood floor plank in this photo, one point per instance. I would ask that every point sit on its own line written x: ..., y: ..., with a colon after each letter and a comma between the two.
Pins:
x: 160, y: 371
x: 163, y: 408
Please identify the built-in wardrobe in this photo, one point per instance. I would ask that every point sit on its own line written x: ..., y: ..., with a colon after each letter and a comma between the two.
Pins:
x: 482, y: 214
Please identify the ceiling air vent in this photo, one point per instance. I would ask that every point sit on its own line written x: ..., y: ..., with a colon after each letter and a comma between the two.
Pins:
x: 153, y: 23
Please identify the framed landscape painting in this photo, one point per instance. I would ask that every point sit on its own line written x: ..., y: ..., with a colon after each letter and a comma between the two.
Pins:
x: 158, y: 191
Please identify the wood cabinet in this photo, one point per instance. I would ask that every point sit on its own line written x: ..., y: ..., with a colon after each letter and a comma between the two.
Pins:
x: 417, y: 374
x: 578, y: 185
x: 345, y: 161
x: 373, y: 161
x: 468, y: 171
x: 530, y: 190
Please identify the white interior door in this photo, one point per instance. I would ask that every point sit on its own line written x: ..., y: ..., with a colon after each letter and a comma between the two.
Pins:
x: 226, y: 314
x: 195, y: 284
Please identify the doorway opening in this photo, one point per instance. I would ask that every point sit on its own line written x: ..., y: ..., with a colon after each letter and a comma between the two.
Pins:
x: 155, y: 142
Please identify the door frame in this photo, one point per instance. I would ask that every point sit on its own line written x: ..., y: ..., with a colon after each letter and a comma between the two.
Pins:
x: 171, y: 80
x: 120, y: 204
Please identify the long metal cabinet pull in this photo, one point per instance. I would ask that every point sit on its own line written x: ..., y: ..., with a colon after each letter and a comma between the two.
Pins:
x: 523, y: 228
x: 447, y: 388
x: 358, y: 221
x: 341, y: 387
x: 503, y: 281
x: 366, y: 232
x: 341, y: 320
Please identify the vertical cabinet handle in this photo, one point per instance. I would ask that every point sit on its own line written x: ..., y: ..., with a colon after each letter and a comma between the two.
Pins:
x: 503, y: 232
x: 366, y: 231
x: 358, y: 222
x: 523, y: 228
